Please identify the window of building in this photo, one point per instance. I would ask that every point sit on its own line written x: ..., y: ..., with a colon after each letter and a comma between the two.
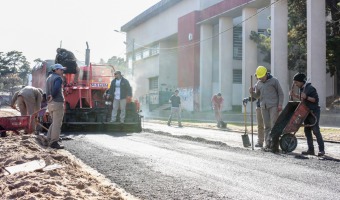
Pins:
x: 237, y: 76
x: 237, y: 43
x: 138, y: 55
x: 153, y: 83
x: 154, y: 50
x: 146, y: 53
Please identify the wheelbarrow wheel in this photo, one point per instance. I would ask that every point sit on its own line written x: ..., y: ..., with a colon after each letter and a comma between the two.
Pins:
x: 288, y: 142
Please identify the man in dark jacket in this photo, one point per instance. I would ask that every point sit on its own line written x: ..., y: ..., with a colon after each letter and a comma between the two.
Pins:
x: 175, y: 101
x: 120, y: 91
x: 67, y: 59
x: 310, y: 97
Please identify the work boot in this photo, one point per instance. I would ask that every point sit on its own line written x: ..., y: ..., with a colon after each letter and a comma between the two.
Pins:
x: 56, y: 145
x: 3, y: 134
x: 321, y: 153
x: 259, y: 145
x: 308, y: 152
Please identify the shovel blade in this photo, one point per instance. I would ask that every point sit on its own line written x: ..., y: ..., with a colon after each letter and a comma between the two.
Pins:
x: 245, y: 140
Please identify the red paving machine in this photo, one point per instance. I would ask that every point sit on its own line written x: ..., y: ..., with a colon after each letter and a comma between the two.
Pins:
x: 85, y: 107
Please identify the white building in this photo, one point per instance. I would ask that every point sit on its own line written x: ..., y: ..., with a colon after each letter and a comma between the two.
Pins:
x: 203, y: 47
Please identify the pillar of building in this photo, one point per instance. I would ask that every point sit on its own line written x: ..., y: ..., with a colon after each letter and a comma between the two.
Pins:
x: 249, y: 48
x: 226, y: 60
x: 205, y: 66
x: 316, y: 48
x: 279, y: 45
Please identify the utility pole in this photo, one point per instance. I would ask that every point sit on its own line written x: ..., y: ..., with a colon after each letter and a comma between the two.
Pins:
x: 133, y: 57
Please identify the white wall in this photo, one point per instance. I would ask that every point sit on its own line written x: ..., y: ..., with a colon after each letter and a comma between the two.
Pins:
x: 163, y: 25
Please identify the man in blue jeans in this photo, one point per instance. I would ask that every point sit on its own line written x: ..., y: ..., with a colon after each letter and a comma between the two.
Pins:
x: 175, y: 101
x: 310, y: 97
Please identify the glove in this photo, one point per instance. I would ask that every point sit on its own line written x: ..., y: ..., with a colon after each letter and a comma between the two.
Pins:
x: 245, y: 100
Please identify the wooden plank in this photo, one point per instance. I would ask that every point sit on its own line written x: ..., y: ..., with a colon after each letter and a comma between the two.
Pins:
x: 26, y: 167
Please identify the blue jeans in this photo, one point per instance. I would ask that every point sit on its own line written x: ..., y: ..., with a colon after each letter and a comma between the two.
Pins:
x: 316, y: 132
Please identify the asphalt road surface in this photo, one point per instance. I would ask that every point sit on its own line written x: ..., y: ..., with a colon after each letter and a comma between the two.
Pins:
x: 162, y: 166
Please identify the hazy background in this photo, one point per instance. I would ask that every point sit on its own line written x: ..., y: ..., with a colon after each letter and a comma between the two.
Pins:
x: 36, y: 27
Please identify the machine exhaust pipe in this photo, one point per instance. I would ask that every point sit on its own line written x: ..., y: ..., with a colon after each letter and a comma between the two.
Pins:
x: 87, y: 55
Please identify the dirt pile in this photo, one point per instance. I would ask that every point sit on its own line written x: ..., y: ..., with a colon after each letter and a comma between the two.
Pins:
x: 30, y: 171
x: 59, y: 176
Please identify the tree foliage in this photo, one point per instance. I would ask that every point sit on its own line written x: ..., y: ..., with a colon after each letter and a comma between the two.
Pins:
x: 119, y: 64
x: 297, y: 37
x: 14, y: 69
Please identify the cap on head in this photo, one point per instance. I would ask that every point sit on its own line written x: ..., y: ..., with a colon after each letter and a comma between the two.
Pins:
x: 58, y: 66
x: 261, y: 72
x: 301, y: 77
x: 219, y: 94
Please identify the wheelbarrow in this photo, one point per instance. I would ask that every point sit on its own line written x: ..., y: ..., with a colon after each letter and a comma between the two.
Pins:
x: 19, y: 123
x: 288, y: 123
x: 15, y: 124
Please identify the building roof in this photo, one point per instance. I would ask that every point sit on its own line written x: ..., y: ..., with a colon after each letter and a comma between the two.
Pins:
x: 149, y: 13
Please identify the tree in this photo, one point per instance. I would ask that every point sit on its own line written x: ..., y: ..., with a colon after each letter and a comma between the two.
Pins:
x: 119, y: 64
x: 297, y: 37
x: 14, y: 69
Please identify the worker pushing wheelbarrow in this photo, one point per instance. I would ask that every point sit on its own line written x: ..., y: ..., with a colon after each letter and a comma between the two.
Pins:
x: 288, y: 123
x: 305, y: 112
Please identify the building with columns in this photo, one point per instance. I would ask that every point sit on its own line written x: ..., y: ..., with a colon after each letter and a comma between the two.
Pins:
x: 203, y: 47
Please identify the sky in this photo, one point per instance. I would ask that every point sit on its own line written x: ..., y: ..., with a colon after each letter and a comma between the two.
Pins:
x: 38, y: 27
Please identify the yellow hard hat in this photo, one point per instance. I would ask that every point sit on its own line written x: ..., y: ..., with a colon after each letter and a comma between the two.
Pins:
x: 261, y: 71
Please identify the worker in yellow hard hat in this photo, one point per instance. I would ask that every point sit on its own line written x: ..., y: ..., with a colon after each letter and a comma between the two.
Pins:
x: 269, y: 91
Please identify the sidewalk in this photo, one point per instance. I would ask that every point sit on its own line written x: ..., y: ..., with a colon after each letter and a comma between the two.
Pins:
x: 229, y: 137
x: 327, y: 119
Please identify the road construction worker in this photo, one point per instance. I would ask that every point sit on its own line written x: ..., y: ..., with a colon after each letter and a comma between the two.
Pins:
x: 175, y: 101
x: 67, y: 59
x: 217, y: 103
x: 269, y: 91
x: 55, y: 105
x: 259, y: 119
x: 120, y: 91
x: 28, y: 100
x: 310, y: 97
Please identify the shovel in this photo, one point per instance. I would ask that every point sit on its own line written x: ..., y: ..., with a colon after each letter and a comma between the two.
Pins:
x: 245, y: 137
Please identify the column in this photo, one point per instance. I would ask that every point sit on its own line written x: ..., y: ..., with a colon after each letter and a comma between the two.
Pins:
x: 205, y: 67
x: 316, y: 48
x: 226, y: 60
x: 249, y: 49
x: 279, y: 45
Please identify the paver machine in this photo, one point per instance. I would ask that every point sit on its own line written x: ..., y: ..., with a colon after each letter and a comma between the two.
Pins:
x: 85, y: 106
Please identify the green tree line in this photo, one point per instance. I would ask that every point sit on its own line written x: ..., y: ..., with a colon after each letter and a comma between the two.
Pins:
x: 14, y: 69
x: 297, y: 37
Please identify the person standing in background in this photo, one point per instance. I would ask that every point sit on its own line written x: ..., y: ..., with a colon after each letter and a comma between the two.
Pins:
x: 175, y: 101
x: 217, y: 102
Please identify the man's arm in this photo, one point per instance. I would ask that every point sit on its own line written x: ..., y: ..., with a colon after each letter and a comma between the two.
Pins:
x: 129, y: 89
x: 14, y: 99
x: 56, y: 87
x: 38, y: 99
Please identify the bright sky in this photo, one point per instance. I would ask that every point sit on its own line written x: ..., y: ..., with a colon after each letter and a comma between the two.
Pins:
x: 36, y: 27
